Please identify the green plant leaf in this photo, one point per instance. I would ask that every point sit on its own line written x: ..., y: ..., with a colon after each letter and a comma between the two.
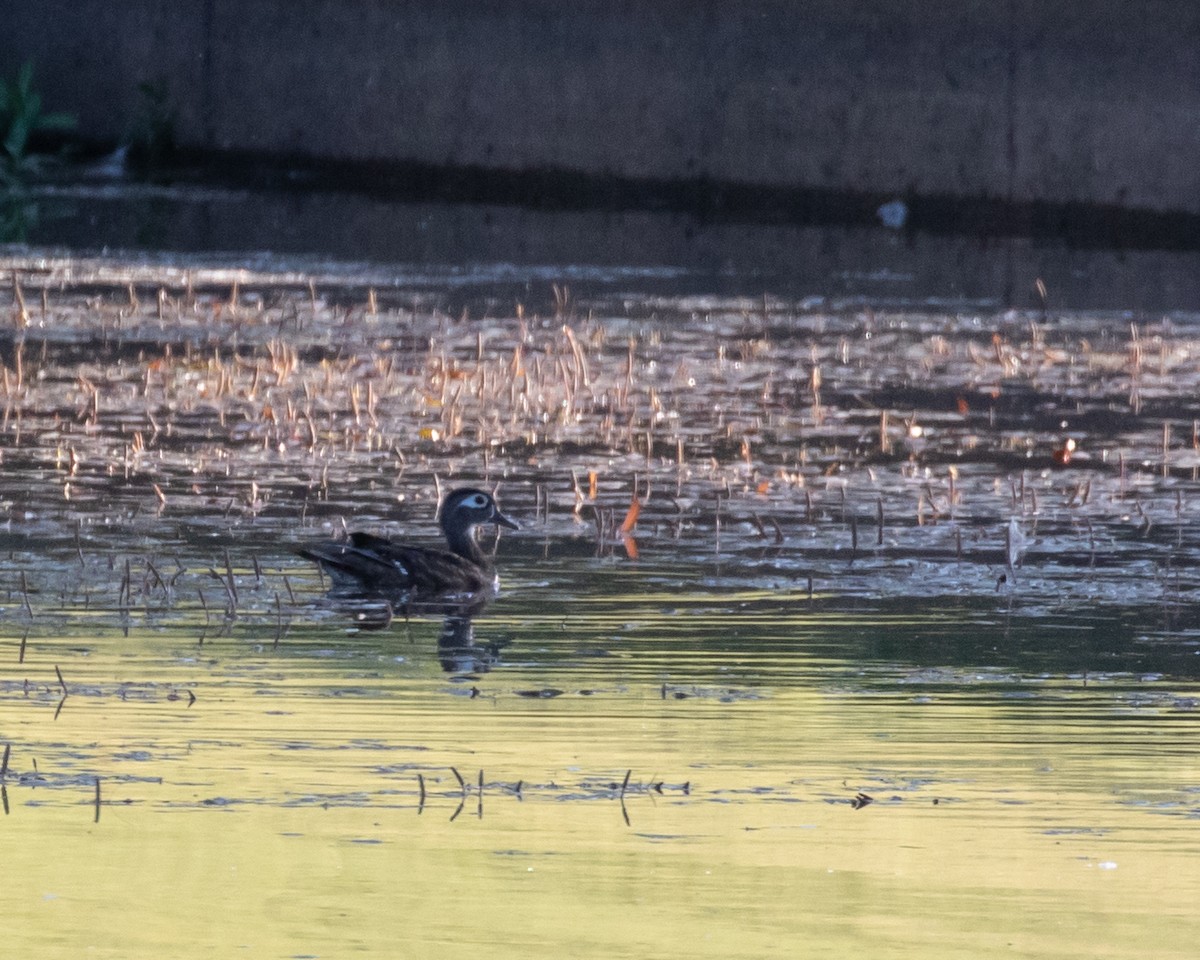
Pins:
x: 17, y: 138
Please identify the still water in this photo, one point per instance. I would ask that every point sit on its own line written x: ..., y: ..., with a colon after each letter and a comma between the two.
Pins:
x: 878, y: 665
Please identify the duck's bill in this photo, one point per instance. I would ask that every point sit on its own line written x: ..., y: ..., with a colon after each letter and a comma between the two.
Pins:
x: 502, y: 521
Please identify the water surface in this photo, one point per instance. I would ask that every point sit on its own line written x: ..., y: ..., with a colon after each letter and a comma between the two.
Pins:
x: 881, y: 665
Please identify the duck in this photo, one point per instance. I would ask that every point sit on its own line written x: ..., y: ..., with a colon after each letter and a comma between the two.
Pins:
x: 373, y: 564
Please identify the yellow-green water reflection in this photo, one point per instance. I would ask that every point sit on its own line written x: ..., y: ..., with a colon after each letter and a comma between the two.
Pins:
x: 280, y: 813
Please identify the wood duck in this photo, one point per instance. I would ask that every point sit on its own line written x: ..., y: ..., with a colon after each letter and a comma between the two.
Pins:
x: 376, y: 564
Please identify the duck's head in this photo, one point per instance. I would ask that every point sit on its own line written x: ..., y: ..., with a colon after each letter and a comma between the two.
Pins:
x: 464, y: 509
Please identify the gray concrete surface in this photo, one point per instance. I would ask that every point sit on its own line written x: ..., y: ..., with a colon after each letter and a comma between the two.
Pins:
x: 1014, y: 99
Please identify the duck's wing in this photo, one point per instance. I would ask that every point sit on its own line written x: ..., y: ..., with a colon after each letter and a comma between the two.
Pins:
x: 426, y: 570
x: 377, y: 563
x: 350, y: 566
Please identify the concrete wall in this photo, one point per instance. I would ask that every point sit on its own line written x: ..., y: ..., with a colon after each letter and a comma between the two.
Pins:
x: 1019, y: 99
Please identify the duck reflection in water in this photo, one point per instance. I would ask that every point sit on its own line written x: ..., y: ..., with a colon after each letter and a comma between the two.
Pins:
x: 374, y: 578
x: 457, y: 649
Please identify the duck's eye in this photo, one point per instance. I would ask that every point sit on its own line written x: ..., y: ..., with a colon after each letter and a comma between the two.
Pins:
x: 478, y: 501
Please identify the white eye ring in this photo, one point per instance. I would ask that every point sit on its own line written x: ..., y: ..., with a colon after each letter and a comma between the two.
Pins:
x: 479, y: 500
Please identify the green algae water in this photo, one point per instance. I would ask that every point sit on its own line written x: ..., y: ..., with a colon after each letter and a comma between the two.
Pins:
x: 878, y: 664
x: 308, y: 801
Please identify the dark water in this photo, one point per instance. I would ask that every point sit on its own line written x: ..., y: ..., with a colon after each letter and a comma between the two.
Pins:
x: 878, y: 640
x: 513, y: 251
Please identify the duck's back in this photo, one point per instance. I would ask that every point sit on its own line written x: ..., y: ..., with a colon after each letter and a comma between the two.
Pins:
x: 376, y: 563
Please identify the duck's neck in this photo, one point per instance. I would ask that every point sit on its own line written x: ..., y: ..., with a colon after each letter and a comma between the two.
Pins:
x: 463, y: 543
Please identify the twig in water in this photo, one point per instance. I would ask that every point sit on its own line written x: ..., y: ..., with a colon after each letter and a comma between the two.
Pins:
x: 758, y: 524
x: 1146, y: 524
x: 635, y: 508
x: 598, y: 520
x: 778, y: 530
x: 230, y: 600
x: 123, y: 599
x: 25, y: 595
x: 421, y: 794
x: 479, y: 798
x: 207, y: 619
x: 4, y: 763
x: 158, y: 580
x: 96, y: 819
x: 61, y: 682
x: 279, y: 621
x: 462, y: 786
x: 624, y: 786
x: 232, y: 585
